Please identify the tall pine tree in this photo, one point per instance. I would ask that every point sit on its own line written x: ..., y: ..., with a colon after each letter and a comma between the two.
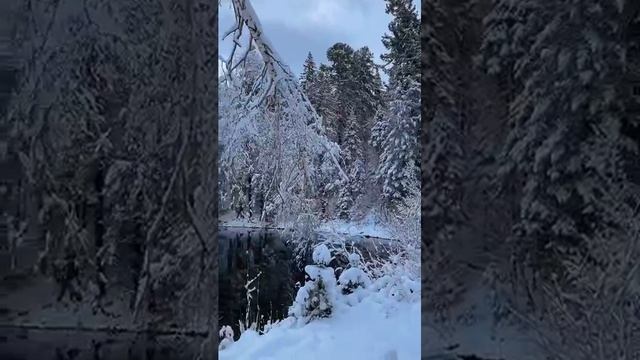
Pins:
x: 309, y: 74
x: 398, y: 166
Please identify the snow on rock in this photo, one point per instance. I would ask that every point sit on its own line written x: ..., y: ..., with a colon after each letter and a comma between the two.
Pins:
x: 321, y: 255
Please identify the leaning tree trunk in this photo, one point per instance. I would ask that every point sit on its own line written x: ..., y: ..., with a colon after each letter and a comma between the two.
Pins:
x: 278, y: 75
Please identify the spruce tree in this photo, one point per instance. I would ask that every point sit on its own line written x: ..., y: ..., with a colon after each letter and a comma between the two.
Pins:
x: 308, y: 76
x: 324, y: 98
x: 398, y: 163
x: 367, y: 83
x: 398, y: 168
x: 403, y: 41
x: 565, y: 140
x: 352, y: 156
x: 564, y: 119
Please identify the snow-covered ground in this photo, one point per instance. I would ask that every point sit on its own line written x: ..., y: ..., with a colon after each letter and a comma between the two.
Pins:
x: 370, y: 226
x: 473, y: 331
x: 374, y: 329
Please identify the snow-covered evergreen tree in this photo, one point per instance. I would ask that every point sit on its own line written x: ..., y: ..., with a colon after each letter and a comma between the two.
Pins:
x: 380, y: 129
x: 565, y: 122
x: 324, y: 98
x: 368, y: 85
x: 505, y: 42
x: 309, y: 74
x: 402, y: 42
x: 564, y: 61
x: 316, y: 299
x: 398, y: 167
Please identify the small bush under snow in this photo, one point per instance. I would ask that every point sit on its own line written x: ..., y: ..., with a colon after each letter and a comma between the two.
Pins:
x: 225, y: 336
x: 321, y: 255
x: 351, y: 279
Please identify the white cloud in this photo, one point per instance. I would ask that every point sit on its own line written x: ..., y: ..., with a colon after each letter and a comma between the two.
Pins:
x: 298, y: 26
x: 331, y: 14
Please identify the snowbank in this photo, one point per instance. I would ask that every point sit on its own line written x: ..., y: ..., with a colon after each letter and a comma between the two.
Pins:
x: 369, y: 226
x: 373, y: 329
x: 473, y: 330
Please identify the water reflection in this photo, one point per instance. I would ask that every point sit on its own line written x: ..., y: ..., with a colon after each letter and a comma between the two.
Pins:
x: 22, y: 344
x: 247, y: 254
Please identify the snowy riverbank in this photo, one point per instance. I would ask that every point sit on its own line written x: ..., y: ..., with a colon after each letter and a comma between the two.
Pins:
x: 328, y: 315
x: 474, y: 330
x: 369, y: 226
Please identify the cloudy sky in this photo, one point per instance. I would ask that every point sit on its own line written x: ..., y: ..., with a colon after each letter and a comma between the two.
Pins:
x: 296, y: 27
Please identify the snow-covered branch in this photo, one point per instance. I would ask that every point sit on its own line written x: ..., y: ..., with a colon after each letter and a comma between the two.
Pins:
x: 276, y: 79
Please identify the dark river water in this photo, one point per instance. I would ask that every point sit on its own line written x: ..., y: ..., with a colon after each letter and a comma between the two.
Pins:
x: 23, y: 344
x: 55, y: 344
x: 245, y: 253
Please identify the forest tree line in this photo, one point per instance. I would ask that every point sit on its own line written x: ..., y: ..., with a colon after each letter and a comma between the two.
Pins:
x: 114, y: 125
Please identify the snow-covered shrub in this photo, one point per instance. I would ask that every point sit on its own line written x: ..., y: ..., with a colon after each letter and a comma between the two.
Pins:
x: 321, y: 255
x: 396, y: 278
x: 225, y: 336
x: 316, y: 299
x: 354, y: 277
x: 317, y: 302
